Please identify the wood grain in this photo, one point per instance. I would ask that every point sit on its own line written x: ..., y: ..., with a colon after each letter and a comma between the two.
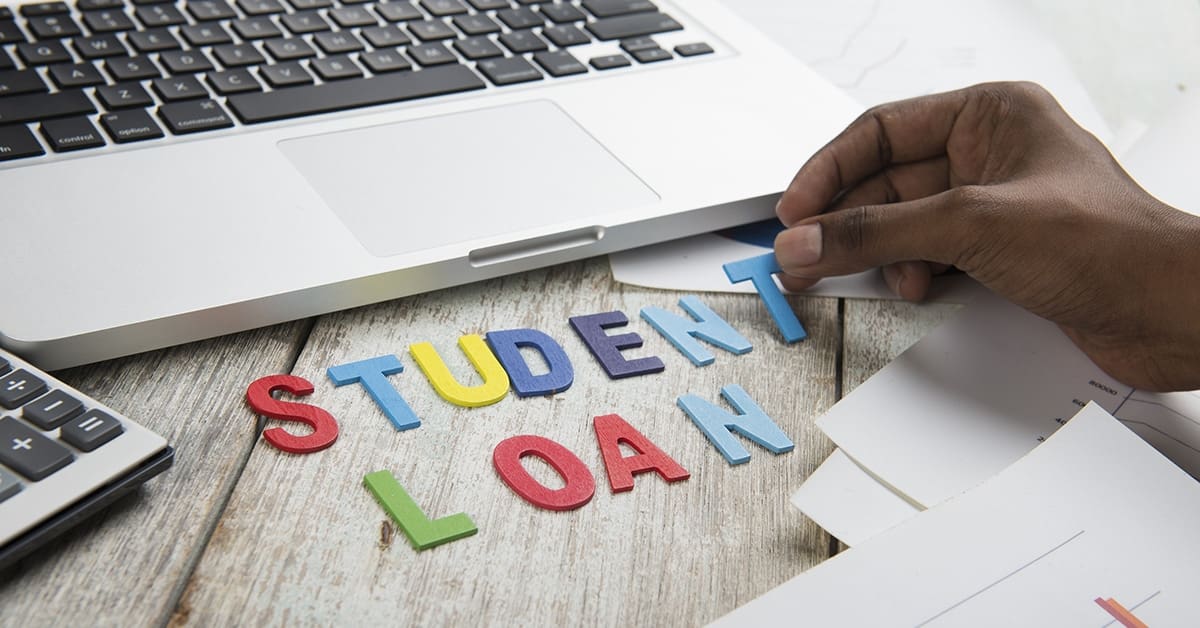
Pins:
x: 127, y: 565
x: 878, y: 331
x: 303, y: 543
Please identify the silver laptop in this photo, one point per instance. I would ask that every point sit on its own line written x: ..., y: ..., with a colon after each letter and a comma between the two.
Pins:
x: 171, y: 171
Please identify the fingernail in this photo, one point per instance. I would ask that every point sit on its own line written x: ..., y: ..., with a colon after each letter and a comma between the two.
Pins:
x: 893, y: 278
x: 777, y: 204
x: 799, y: 246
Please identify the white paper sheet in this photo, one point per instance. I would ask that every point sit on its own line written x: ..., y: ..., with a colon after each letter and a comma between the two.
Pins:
x: 850, y: 504
x: 1094, y: 513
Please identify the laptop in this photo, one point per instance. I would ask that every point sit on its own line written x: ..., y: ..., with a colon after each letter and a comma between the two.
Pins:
x: 172, y: 171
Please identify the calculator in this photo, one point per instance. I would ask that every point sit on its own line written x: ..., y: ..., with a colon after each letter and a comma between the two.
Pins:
x: 63, y: 457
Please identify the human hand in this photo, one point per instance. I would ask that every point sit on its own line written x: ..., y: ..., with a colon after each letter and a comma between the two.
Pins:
x: 998, y: 181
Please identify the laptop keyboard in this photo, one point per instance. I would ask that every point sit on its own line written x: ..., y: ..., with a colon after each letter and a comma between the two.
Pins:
x: 122, y: 71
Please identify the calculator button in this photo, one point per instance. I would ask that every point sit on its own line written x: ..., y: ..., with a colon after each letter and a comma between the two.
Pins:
x: 29, y: 452
x: 91, y: 430
x: 4, y: 366
x: 19, y: 387
x: 51, y: 411
x: 9, y: 485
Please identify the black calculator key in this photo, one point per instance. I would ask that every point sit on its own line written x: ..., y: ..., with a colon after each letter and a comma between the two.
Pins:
x: 233, y: 81
x: 509, y: 70
x: 28, y: 452
x: 285, y: 75
x: 205, y: 10
x: 130, y: 126
x: 185, y: 61
x: 5, y: 366
x: 194, y: 116
x: 441, y: 8
x: 237, y: 55
x: 476, y: 48
x: 52, y: 410
x: 70, y: 134
x: 10, y: 32
x: 9, y: 485
x: 159, y: 15
x: 91, y: 430
x: 635, y: 25
x: 608, y: 62
x: 178, y: 88
x: 107, y: 21
x: 399, y: 11
x: 123, y: 96
x: 559, y: 63
x: 153, y: 40
x: 609, y: 8
x: 477, y: 24
x: 651, y: 55
x: 205, y: 34
x: 304, y: 22
x: 30, y: 107
x: 385, y: 36
x: 566, y: 35
x: 561, y: 13
x: 19, y: 387
x: 53, y: 27
x: 44, y: 8
x: 692, y: 50
x: 43, y: 53
x: 13, y: 82
x: 336, y: 68
x: 132, y: 68
x: 523, y: 41
x: 76, y: 75
x: 380, y: 61
x: 16, y: 141
x: 99, y: 46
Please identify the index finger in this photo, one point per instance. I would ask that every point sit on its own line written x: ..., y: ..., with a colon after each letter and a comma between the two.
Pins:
x: 892, y: 133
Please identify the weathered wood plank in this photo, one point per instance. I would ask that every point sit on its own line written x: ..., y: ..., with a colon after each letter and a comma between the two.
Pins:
x: 877, y: 331
x: 126, y: 566
x: 302, y: 542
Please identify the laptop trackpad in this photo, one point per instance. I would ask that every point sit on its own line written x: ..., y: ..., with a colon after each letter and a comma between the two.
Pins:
x: 435, y: 181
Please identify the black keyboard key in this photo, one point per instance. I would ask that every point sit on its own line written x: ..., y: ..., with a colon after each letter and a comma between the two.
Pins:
x: 92, y: 5
x: 523, y: 41
x: 27, y: 452
x: 692, y: 50
x: 520, y: 18
x: 5, y: 366
x: 123, y: 96
x: 488, y: 5
x: 19, y: 387
x: 194, y: 116
x: 233, y: 82
x: 309, y: 5
x: 385, y: 36
x: 476, y: 48
x: 6, y: 13
x: 284, y: 75
x: 134, y: 125
x: 398, y: 11
x: 260, y: 7
x: 635, y: 25
x: 634, y: 44
x: 43, y: 53
x: 651, y: 55
x: 432, y: 54
x: 31, y: 107
x: 153, y: 40
x: 6, y: 62
x: 99, y: 47
x: 292, y: 48
x: 159, y: 15
x: 76, y: 75
x: 566, y: 35
x: 205, y: 34
x: 44, y: 8
x: 509, y: 70
x: 349, y: 17
x: 9, y: 485
x: 237, y: 55
x: 178, y: 88
x: 304, y: 22
x: 561, y: 13
x: 335, y: 68
x: 53, y: 27
x: 256, y: 28
x: 91, y: 430
x: 440, y: 8
x: 185, y: 61
x: 377, y: 90
x: 559, y: 63
x: 132, y: 68
x: 608, y: 62
x: 208, y: 10
x: 337, y: 42
x: 13, y: 82
x: 52, y: 410
x: 431, y: 30
x: 107, y: 21
x: 17, y: 142
x: 478, y: 24
x: 380, y: 61
x: 10, y: 32
x: 609, y: 8
x: 68, y: 134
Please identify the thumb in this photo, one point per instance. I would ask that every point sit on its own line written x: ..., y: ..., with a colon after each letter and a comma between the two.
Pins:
x: 939, y: 228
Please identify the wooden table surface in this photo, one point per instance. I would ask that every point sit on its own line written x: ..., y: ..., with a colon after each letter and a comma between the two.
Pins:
x: 240, y: 533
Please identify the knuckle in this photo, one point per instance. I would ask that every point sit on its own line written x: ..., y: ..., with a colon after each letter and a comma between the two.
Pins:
x: 850, y: 228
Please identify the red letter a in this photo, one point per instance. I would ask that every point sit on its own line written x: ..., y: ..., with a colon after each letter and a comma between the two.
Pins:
x: 611, y: 431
